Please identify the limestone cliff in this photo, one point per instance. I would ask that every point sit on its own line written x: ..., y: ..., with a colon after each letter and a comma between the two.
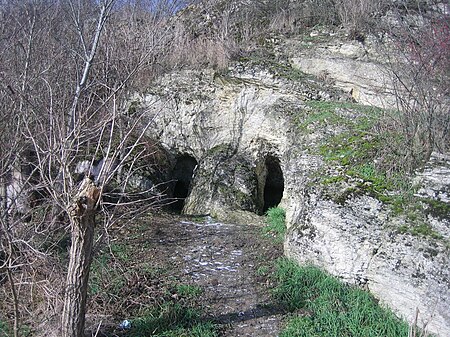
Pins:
x: 251, y: 138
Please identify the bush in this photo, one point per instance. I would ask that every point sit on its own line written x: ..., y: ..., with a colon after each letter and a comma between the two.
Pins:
x: 418, y: 52
x: 357, y: 15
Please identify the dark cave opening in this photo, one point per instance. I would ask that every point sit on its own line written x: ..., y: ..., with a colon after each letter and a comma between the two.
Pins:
x: 274, y: 183
x: 182, y: 176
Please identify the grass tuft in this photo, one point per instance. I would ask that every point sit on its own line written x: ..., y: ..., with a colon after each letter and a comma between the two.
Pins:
x: 4, y: 329
x: 188, y: 291
x: 276, y: 227
x: 323, y: 306
x: 172, y: 320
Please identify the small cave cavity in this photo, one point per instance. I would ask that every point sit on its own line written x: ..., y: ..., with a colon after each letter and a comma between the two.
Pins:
x: 181, y: 177
x: 271, y: 184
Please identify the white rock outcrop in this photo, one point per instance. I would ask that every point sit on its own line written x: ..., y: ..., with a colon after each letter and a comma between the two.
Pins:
x: 358, y: 243
x: 230, y: 124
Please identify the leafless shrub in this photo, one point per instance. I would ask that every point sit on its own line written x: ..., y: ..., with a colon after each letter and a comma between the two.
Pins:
x: 68, y: 70
x: 198, y: 52
x: 414, y: 330
x: 418, y: 60
x: 357, y: 15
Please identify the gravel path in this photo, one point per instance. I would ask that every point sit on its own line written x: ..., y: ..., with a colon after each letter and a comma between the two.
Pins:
x: 224, y: 259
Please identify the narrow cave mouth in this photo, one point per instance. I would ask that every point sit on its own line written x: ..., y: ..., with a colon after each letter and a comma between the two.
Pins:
x: 274, y: 184
x: 182, y: 176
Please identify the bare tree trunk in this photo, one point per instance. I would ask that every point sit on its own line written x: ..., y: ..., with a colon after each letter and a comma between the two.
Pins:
x: 82, y: 218
x: 105, y: 10
x: 3, y: 196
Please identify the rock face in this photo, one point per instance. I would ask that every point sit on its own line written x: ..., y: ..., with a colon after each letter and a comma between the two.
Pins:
x: 17, y: 194
x: 237, y: 129
x: 358, y: 243
x: 352, y: 66
x: 435, y: 179
x: 241, y: 134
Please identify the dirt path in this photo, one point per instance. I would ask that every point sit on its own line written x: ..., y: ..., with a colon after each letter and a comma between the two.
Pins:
x: 224, y: 259
x: 227, y: 261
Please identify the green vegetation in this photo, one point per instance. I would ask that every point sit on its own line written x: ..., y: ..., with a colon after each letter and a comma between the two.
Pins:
x: 188, y: 291
x: 220, y: 149
x: 176, y: 310
x: 356, y: 150
x: 172, y: 320
x: 263, y: 270
x: 106, y: 278
x: 323, y: 306
x: 325, y: 113
x: 4, y: 329
x: 120, y: 252
x: 320, y: 305
x: 436, y: 208
x: 361, y: 160
x: 424, y: 229
x: 178, y: 315
x: 276, y: 227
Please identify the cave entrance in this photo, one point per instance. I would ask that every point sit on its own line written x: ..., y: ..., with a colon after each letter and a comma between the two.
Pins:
x: 182, y: 176
x: 272, y: 184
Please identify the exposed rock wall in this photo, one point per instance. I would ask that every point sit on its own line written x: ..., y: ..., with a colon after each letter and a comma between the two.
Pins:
x: 351, y: 66
x: 231, y: 125
x: 359, y: 243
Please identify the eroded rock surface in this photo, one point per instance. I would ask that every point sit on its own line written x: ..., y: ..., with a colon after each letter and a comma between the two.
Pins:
x: 434, y: 180
x: 358, y: 242
x: 355, y: 67
x: 231, y: 124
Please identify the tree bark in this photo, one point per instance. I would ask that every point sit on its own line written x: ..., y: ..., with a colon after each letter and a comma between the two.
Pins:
x: 82, y: 217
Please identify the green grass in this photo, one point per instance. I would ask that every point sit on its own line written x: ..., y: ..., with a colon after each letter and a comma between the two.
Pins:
x: 276, y: 224
x: 188, y: 291
x: 438, y: 209
x: 172, y: 319
x: 4, y: 329
x: 354, y: 149
x: 323, y: 306
x: 415, y: 211
x: 360, y: 156
x: 120, y: 252
x: 424, y: 229
x: 175, y: 311
x: 105, y: 280
x: 7, y: 331
x: 263, y: 270
x: 326, y: 113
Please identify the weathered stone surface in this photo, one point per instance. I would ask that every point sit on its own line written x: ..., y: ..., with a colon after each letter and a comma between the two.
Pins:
x: 350, y: 66
x: 434, y: 181
x: 17, y: 194
x: 358, y: 243
x: 230, y: 124
x: 224, y: 180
